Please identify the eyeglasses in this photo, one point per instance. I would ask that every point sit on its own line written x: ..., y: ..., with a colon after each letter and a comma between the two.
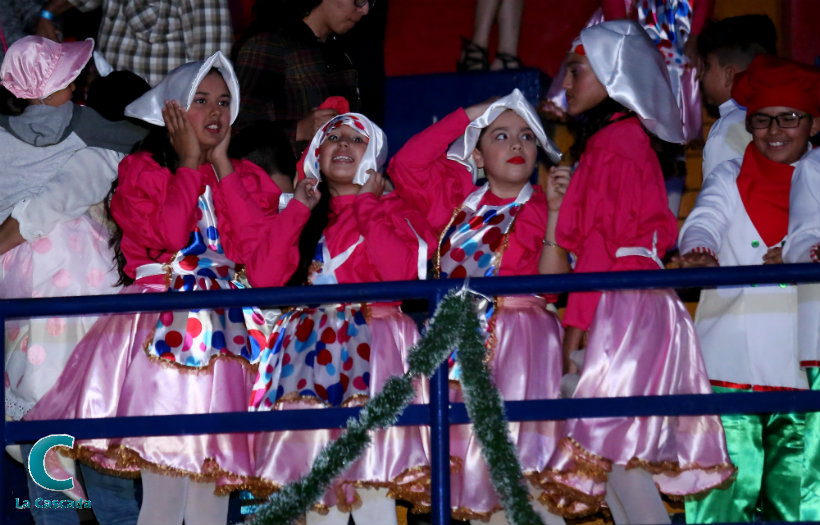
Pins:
x: 784, y: 120
x: 362, y: 3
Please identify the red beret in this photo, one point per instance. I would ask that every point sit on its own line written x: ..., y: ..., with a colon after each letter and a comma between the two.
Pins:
x: 774, y: 81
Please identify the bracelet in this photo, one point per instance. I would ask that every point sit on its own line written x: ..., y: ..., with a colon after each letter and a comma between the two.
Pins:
x: 551, y: 244
x: 46, y: 14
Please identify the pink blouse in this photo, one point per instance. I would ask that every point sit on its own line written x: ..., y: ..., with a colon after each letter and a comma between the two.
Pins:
x: 390, y: 249
x: 617, y: 198
x: 436, y: 186
x: 156, y: 210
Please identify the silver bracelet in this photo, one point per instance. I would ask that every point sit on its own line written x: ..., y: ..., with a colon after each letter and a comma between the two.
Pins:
x: 551, y: 244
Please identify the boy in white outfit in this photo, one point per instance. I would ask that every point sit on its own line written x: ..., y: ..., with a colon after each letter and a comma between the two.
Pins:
x: 749, y: 334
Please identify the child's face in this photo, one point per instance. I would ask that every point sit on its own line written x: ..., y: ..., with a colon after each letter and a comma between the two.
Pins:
x: 210, y: 111
x: 339, y: 157
x: 716, y: 80
x: 584, y: 90
x: 784, y: 145
x: 507, y: 150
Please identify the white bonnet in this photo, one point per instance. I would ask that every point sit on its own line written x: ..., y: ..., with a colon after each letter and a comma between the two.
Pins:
x: 374, y: 156
x: 181, y: 85
x: 462, y: 149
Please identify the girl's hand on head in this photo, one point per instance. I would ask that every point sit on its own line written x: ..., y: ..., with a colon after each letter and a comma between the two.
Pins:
x: 557, y: 184
x: 551, y: 111
x: 375, y: 184
x: 181, y: 135
x: 695, y: 260
x: 774, y: 256
x: 307, y: 193
x: 218, y: 157
x: 476, y: 110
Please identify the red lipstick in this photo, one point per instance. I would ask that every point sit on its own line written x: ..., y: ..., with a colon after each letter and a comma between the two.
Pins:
x: 516, y: 160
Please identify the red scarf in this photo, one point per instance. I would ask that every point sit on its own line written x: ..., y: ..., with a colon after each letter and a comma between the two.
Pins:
x: 764, y: 189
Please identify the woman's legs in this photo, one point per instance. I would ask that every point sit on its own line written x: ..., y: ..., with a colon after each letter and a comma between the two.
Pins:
x: 163, y: 499
x: 377, y: 508
x: 509, y: 29
x: 203, y: 507
x: 172, y: 499
x: 633, y: 497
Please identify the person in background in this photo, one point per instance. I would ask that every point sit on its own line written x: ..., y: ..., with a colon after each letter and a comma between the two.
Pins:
x: 59, y: 160
x: 294, y: 61
x: 802, y: 247
x: 748, y: 334
x: 151, y: 38
x: 726, y: 48
x: 474, y: 53
x: 266, y: 145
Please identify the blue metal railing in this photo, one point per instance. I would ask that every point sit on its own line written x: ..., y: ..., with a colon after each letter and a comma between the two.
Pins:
x: 440, y: 413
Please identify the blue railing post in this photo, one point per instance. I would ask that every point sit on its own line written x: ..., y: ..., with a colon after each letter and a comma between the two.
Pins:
x: 4, y: 516
x: 440, y: 438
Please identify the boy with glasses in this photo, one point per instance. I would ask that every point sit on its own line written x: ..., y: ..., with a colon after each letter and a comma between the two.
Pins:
x: 749, y: 334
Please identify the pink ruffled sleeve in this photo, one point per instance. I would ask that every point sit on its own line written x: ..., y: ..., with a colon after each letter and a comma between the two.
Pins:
x: 256, y: 234
x: 617, y: 199
x: 426, y: 178
x: 154, y: 208
x: 390, y: 242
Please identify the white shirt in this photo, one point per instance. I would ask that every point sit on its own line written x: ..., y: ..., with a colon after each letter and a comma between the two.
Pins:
x: 727, y: 138
x: 804, y: 233
x: 748, y: 334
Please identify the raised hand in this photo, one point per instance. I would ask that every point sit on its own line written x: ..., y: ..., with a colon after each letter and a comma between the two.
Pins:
x: 182, y: 136
x: 375, y: 184
x: 774, y: 256
x: 307, y: 193
x: 218, y: 156
x: 557, y: 184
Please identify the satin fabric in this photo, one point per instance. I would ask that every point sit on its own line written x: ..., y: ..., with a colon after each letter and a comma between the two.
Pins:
x: 398, y: 457
x: 374, y: 155
x: 641, y: 343
x: 109, y: 374
x: 461, y: 150
x: 768, y: 452
x: 810, y: 485
x: 633, y: 73
x: 524, y: 363
x: 669, y: 24
x: 35, y: 67
x: 181, y: 85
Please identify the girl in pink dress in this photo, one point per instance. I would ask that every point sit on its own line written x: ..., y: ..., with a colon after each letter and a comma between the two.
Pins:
x: 188, y: 216
x: 505, y: 227
x: 615, y: 217
x: 340, y: 355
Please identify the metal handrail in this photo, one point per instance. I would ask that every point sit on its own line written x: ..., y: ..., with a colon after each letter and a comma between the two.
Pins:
x: 440, y: 413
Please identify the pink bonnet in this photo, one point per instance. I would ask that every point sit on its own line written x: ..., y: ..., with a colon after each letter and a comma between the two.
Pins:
x: 35, y: 67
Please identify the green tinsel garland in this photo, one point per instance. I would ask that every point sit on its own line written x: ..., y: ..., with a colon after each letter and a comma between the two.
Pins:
x: 454, y: 325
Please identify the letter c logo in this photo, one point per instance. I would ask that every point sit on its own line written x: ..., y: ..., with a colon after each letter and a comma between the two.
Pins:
x: 37, y: 462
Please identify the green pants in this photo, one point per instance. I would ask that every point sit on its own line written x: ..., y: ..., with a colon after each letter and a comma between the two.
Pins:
x: 767, y: 450
x: 810, y: 493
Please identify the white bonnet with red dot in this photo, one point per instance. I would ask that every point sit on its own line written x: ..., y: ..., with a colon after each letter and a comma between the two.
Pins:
x: 374, y: 156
